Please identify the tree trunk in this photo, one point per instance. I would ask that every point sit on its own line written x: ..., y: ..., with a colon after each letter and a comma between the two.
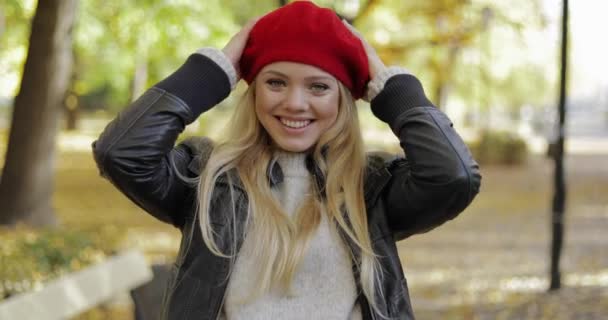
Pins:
x: 71, y: 111
x: 2, y: 21
x: 71, y: 103
x: 140, y: 78
x: 443, y: 68
x: 559, y: 196
x: 440, y: 95
x: 28, y: 176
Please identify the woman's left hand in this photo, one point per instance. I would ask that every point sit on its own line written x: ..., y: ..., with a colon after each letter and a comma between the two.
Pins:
x: 375, y: 63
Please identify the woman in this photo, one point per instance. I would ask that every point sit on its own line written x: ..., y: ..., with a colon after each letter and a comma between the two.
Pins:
x: 287, y: 218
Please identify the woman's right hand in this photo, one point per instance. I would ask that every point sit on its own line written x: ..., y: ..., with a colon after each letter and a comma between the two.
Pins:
x: 376, y: 65
x: 234, y: 48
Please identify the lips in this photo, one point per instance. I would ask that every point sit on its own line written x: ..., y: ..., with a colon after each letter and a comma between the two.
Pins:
x: 295, y: 124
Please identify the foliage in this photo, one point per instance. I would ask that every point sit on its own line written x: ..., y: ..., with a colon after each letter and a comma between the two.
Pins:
x: 116, y: 39
x: 113, y: 39
x: 14, y: 33
x: 32, y: 257
x: 499, y: 147
x: 527, y: 80
x: 443, y: 42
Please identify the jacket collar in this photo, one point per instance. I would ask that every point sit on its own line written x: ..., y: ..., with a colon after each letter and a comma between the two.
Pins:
x: 274, y: 173
x: 377, y: 175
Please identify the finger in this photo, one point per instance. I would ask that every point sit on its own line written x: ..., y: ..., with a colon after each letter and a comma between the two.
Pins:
x: 356, y: 32
x: 352, y: 29
x: 250, y: 24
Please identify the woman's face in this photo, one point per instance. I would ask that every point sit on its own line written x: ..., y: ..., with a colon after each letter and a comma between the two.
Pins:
x: 296, y: 103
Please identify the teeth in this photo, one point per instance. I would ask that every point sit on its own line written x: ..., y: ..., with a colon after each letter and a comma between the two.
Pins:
x: 295, y: 124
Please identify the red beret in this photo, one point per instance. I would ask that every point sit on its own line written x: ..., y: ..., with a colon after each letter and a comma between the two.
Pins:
x: 305, y: 33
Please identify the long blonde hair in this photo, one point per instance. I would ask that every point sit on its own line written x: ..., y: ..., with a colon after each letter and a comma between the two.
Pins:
x: 281, y: 242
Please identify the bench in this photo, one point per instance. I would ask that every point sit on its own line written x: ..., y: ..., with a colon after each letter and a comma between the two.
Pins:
x: 79, y: 291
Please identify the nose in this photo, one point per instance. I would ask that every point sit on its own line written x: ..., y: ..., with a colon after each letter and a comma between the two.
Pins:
x: 296, y: 100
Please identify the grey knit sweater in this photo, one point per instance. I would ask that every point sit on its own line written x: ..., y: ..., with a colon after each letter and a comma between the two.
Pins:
x: 323, y: 286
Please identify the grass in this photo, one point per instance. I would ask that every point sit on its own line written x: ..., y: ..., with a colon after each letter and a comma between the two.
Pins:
x: 83, y: 198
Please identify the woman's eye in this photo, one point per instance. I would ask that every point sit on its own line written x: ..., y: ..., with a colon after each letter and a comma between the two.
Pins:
x: 319, y: 87
x: 275, y: 83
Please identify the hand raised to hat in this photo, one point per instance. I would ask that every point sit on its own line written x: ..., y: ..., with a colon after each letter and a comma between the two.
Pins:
x: 375, y: 63
x: 234, y: 48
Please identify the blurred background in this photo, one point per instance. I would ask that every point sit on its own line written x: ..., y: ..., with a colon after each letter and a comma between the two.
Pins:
x: 492, y: 66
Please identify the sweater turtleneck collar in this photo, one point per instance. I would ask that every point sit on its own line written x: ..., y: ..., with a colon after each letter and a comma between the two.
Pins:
x: 295, y: 163
x: 292, y: 163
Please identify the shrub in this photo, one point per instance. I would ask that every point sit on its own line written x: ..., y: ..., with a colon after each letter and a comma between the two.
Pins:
x: 499, y: 147
x: 32, y: 257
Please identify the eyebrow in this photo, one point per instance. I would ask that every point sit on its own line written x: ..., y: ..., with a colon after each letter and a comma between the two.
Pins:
x: 307, y: 78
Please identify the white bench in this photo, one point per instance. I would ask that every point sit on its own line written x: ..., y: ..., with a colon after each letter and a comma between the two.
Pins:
x: 77, y: 292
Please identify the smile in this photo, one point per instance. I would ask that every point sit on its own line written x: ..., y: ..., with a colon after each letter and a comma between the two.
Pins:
x: 295, y: 124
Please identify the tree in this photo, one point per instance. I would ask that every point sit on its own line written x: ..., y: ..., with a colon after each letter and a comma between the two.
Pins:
x: 432, y: 35
x: 27, y: 180
x: 559, y: 196
x: 123, y: 47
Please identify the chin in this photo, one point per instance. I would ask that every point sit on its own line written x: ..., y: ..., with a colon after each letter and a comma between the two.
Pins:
x: 291, y: 147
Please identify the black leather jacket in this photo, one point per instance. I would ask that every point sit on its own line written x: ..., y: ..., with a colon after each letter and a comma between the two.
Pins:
x: 404, y: 196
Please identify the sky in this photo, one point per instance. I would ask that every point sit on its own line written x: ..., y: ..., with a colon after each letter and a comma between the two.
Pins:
x: 589, y: 50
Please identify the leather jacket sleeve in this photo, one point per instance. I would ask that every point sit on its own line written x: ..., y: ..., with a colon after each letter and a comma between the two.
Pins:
x: 137, y: 152
x: 438, y: 177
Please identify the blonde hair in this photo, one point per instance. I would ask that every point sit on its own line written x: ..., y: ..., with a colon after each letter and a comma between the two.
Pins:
x: 280, y: 241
